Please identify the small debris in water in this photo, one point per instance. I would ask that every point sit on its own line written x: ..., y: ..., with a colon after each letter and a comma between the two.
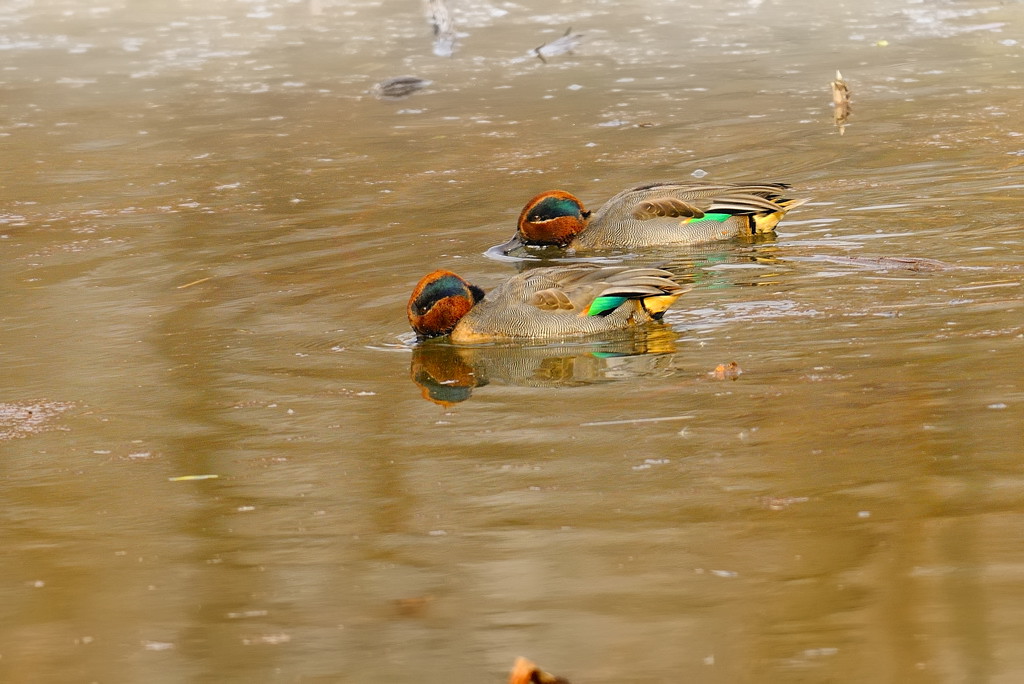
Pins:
x: 397, y: 88
x: 246, y: 614
x: 630, y: 421
x: 444, y: 28
x: 729, y: 371
x: 699, y: 173
x: 841, y: 102
x: 525, y: 671
x: 562, y: 45
x: 649, y: 462
x: 779, y: 503
x: 414, y: 606
x: 194, y: 282
x: 189, y: 478
x: 272, y: 639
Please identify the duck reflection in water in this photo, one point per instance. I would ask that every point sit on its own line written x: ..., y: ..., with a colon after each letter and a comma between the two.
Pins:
x: 447, y: 374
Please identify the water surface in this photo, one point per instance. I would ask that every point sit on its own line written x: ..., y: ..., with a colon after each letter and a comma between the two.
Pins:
x: 210, y: 225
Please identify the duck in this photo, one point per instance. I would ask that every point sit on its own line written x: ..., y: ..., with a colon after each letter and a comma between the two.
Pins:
x: 549, y: 303
x: 662, y: 213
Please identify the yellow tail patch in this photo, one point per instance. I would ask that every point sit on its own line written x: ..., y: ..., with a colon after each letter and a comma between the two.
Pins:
x: 765, y: 223
x: 656, y: 306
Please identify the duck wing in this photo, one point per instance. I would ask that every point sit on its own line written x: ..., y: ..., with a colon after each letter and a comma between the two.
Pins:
x: 593, y: 289
x: 690, y: 200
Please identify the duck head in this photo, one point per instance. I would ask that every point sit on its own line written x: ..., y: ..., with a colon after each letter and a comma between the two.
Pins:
x: 554, y: 218
x: 439, y: 302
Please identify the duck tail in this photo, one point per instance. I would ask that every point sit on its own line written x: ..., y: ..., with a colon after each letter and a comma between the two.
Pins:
x: 765, y: 222
x: 656, y: 305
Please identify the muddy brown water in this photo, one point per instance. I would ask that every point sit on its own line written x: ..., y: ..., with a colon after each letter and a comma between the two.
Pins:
x: 224, y: 460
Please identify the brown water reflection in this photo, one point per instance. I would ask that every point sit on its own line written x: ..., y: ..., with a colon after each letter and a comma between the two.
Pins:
x: 210, y: 227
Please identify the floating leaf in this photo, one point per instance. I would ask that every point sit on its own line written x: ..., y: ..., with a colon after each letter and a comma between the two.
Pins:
x: 413, y: 606
x: 729, y: 371
x: 525, y: 671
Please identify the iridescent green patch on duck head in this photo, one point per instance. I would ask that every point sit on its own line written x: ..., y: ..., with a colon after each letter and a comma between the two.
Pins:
x: 445, y: 285
x: 439, y: 301
x: 555, y: 206
x: 552, y: 218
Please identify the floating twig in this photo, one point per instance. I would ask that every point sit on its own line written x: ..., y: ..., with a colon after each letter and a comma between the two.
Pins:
x: 194, y: 282
x: 630, y: 421
x: 562, y: 45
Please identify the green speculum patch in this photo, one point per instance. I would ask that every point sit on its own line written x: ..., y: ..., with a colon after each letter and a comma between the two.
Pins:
x: 602, y: 306
x: 720, y: 218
